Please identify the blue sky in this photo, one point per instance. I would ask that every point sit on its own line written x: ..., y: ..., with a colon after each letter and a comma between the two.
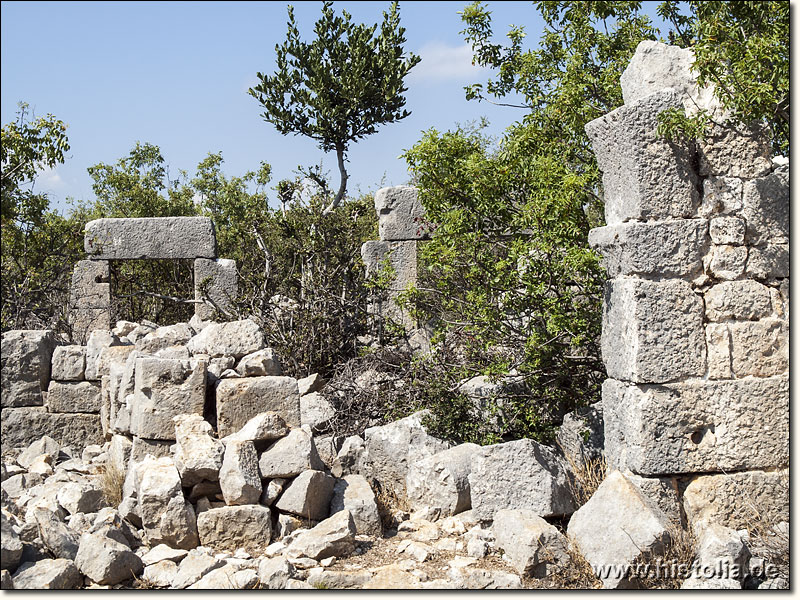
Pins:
x: 176, y: 74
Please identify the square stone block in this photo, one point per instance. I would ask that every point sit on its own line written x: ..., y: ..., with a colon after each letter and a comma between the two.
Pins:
x: 73, y: 397
x: 401, y: 216
x: 759, y: 348
x: 25, y: 356
x: 220, y: 280
x: 241, y: 399
x: 91, y: 287
x: 151, y: 237
x: 23, y: 426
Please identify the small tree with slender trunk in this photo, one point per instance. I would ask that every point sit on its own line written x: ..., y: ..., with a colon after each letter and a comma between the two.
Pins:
x: 340, y: 87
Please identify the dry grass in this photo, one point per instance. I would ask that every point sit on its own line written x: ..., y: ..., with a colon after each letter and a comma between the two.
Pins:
x: 588, y: 475
x: 766, y: 540
x: 679, y: 551
x: 111, y: 482
x: 576, y: 575
x: 389, y: 501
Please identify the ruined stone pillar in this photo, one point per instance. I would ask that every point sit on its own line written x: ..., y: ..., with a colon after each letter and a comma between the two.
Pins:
x: 90, y: 298
x: 695, y: 330
x: 220, y: 282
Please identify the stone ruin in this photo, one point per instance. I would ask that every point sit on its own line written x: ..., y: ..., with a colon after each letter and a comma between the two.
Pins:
x: 172, y: 238
x: 230, y: 480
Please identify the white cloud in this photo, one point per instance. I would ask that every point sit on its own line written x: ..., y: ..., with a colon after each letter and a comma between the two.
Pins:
x: 49, y: 180
x: 441, y: 62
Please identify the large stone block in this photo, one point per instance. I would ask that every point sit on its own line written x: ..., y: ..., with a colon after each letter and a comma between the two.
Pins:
x: 652, y: 331
x: 768, y: 262
x: 220, y: 282
x: 520, y: 474
x: 290, y: 456
x: 308, y: 495
x: 743, y: 300
x: 69, y: 363
x: 235, y: 338
x: 22, y: 426
x: 439, y: 484
x: 400, y: 214
x: 644, y: 176
x: 198, y: 456
x: 766, y: 208
x: 151, y: 237
x: 354, y: 494
x: 91, y: 287
x: 167, y: 518
x: 733, y: 150
x: 666, y: 248
x: 759, y: 348
x: 234, y: 527
x: 83, y: 321
x: 241, y: 399
x: 737, y: 500
x: 73, y: 397
x: 25, y: 358
x: 696, y: 427
x: 718, y: 342
x: 401, y: 260
x: 532, y: 545
x: 164, y: 389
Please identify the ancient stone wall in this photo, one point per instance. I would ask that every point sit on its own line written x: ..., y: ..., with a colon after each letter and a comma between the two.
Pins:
x: 696, y: 312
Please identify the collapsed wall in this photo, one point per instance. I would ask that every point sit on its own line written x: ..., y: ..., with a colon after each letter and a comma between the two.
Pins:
x: 696, y: 311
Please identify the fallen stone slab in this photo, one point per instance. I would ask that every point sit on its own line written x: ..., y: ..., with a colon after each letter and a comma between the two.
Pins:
x: 25, y: 366
x: 161, y: 573
x: 260, y: 364
x: 520, y: 474
x: 198, y: 456
x: 439, y: 485
x: 10, y: 545
x: 233, y: 527
x: 21, y: 426
x: 241, y: 399
x: 275, y: 572
x: 533, y: 546
x: 73, y: 397
x: 227, y: 577
x: 151, y: 238
x: 166, y: 517
x: 57, y: 537
x: 264, y: 427
x: 290, y: 456
x: 335, y: 536
x: 354, y: 494
x: 68, y: 363
x: 164, y: 337
x: 48, y: 574
x: 82, y: 496
x: 44, y: 445
x: 238, y: 477
x: 312, y: 383
x: 106, y: 561
x: 617, y: 526
x: 234, y: 338
x: 722, y: 553
x: 308, y: 495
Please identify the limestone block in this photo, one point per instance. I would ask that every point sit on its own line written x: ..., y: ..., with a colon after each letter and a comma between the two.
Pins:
x: 391, y: 448
x: 439, y: 484
x: 652, y: 331
x: 164, y: 337
x: 290, y: 456
x: 759, y: 348
x: 401, y: 216
x: 335, y: 536
x: 734, y: 150
x: 316, y: 411
x: 83, y: 321
x: 308, y: 495
x: 312, y: 383
x: 234, y: 527
x: 655, y: 66
x: 727, y: 230
x: 726, y: 261
x: 151, y: 237
x: 259, y: 364
x: 580, y: 436
x: 736, y: 500
x: 666, y: 248
x: 106, y: 561
x: 99, y: 340
x: 235, y: 338
x: 166, y: 517
x: 768, y: 262
x: 219, y: 280
x: 766, y: 208
x: 141, y: 447
x: 69, y: 363
x: 533, y: 546
x: 743, y: 300
x: 81, y: 496
x: 227, y: 577
x: 723, y: 552
x: 48, y: 574
x: 25, y: 357
x: 11, y: 547
x: 160, y: 574
x: 644, y: 176
x: 73, y: 397
x: 520, y: 474
x: 351, y: 457
x: 241, y: 399
x: 718, y: 342
x: 163, y: 390
x: 721, y: 196
x: 119, y: 452
x: 663, y: 491
x: 91, y: 287
x: 238, y: 476
x: 21, y: 426
x: 354, y: 494
x: 616, y: 526
x: 402, y: 259
x: 702, y: 426
x: 264, y: 427
x: 198, y: 456
x: 275, y: 572
x: 196, y: 564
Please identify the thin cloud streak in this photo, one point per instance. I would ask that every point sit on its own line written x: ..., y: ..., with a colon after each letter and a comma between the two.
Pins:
x: 441, y: 63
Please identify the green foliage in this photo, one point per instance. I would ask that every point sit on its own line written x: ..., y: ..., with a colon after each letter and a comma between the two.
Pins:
x: 673, y: 124
x: 340, y: 87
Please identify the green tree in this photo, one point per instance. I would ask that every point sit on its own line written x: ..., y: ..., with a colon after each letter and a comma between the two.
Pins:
x: 340, y: 87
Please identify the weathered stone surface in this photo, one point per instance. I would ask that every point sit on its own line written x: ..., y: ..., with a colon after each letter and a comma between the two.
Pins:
x: 109, y: 522
x: 119, y: 453
x: 141, y: 447
x: 438, y: 485
x: 196, y: 564
x: 393, y: 447
x: 735, y: 499
x: 727, y: 230
x: 163, y: 552
x: 10, y: 544
x: 400, y: 214
x: 160, y: 574
x: 164, y: 337
x: 43, y: 445
x: 315, y: 411
x: 734, y: 150
x: 290, y: 456
x: 82, y: 496
x: 531, y: 544
x: 726, y: 262
x: 68, y: 363
x: 25, y: 357
x: 227, y: 577
x: 744, y: 300
x: 652, y: 331
x: 259, y: 364
x: 73, y: 397
x: 233, y: 527
x: 520, y: 474
x: 275, y: 572
x: 759, y: 348
x: 83, y: 321
x: 580, y: 436
x: 663, y: 491
x: 198, y: 456
x: 97, y: 341
x: 308, y: 495
x: 48, y: 574
x: 239, y: 400
x: 163, y: 390
x: 21, y: 426
x: 335, y: 536
x: 91, y: 287
x: 238, y: 476
x: 644, y: 176
x: 721, y: 195
x: 354, y: 494
x: 106, y: 561
x: 328, y: 447
x: 217, y: 283
x: 723, y: 552
x: 665, y: 248
x: 350, y: 457
x: 698, y: 426
x: 166, y: 517
x: 698, y: 582
x: 312, y: 383
x: 150, y: 237
x: 235, y: 338
x: 616, y: 526
x: 263, y: 427
x: 768, y: 262
x: 401, y: 257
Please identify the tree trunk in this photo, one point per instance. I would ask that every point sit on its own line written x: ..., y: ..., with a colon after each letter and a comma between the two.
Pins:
x: 343, y: 181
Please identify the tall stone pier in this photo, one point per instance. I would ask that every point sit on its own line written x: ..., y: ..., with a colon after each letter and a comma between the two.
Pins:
x: 696, y: 311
